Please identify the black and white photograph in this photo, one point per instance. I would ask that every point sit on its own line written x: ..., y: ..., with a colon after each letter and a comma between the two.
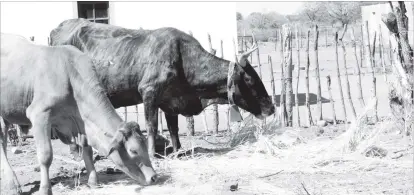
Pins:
x: 207, y: 97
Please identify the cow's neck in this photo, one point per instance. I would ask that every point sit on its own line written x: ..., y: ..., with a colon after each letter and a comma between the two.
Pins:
x: 95, y: 109
x: 207, y: 74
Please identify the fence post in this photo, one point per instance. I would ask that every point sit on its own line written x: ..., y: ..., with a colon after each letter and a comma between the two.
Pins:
x: 338, y: 74
x: 318, y: 78
x: 258, y: 58
x: 272, y: 81
x: 373, y: 49
x: 276, y: 39
x: 215, y: 106
x: 297, y: 77
x: 360, y: 94
x: 159, y: 116
x: 328, y: 82
x: 374, y: 81
x: 282, y: 113
x: 190, y: 119
x: 390, y: 48
x: 222, y: 56
x: 348, y: 90
x: 381, y: 48
x: 136, y: 109
x: 126, y: 114
x: 362, y: 48
x: 310, y: 120
x: 288, y: 74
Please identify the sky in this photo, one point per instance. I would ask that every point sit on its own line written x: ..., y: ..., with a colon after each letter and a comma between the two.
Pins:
x: 245, y: 8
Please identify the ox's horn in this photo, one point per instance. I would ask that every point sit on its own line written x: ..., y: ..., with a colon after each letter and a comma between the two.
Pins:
x: 246, y: 54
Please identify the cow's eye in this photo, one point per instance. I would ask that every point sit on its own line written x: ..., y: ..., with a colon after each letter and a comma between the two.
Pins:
x: 248, y: 80
x: 133, y: 151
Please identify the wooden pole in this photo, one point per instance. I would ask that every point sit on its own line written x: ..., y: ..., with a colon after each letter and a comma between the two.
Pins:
x: 374, y: 81
x: 215, y: 106
x: 374, y: 64
x: 390, y: 49
x: 288, y: 75
x: 272, y: 81
x: 338, y: 74
x: 381, y: 53
x: 161, y: 123
x: 310, y: 121
x: 282, y: 76
x: 348, y: 88
x: 126, y: 114
x: 360, y: 94
x: 328, y: 82
x: 362, y: 49
x: 276, y: 40
x: 222, y: 56
x: 190, y: 119
x: 318, y: 78
x: 258, y: 59
x: 297, y: 77
x: 301, y: 37
x: 136, y: 110
x: 326, y: 37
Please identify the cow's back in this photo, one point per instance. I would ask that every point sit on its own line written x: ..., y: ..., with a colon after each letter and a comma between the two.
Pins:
x: 22, y: 65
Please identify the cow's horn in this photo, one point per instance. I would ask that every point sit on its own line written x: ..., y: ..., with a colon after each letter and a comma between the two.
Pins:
x: 246, y: 54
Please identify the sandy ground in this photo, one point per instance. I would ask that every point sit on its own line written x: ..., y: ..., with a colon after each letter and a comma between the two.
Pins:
x: 287, y: 161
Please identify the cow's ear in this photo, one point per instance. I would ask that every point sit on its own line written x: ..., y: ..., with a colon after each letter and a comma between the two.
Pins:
x: 116, y: 142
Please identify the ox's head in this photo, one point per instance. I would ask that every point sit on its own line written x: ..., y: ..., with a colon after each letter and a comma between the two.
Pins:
x: 128, y: 150
x: 246, y: 88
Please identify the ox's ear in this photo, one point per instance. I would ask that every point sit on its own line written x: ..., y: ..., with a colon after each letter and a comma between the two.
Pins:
x: 116, y: 142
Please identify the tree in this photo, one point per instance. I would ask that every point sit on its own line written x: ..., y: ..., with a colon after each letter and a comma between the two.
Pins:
x: 239, y: 16
x: 312, y: 11
x: 401, y: 96
x: 345, y: 12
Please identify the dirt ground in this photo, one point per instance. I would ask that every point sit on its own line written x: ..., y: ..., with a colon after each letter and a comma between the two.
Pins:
x: 287, y: 161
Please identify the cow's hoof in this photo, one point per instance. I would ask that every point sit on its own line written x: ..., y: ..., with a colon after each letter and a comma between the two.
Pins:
x: 93, y: 181
x: 45, y: 191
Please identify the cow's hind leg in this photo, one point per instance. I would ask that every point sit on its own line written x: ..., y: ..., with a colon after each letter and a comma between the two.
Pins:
x: 41, y: 127
x: 9, y: 183
x: 172, y: 123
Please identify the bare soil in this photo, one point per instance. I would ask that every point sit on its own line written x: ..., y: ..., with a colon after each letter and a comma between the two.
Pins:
x: 295, y: 164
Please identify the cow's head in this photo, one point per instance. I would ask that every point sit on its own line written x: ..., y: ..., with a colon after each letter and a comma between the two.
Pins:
x: 247, y: 89
x: 128, y: 150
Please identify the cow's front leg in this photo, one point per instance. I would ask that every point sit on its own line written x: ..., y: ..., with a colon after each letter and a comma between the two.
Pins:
x: 87, y: 155
x: 172, y: 123
x: 90, y: 167
x: 9, y: 183
x: 42, y: 135
x: 151, y: 117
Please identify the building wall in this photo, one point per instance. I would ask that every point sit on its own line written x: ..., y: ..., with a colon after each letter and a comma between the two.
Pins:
x: 217, y: 18
x: 34, y: 18
x: 374, y: 20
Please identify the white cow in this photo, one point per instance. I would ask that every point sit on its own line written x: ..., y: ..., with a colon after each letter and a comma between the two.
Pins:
x: 56, y: 87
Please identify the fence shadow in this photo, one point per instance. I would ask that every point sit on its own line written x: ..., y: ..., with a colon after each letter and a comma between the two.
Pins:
x: 302, y: 99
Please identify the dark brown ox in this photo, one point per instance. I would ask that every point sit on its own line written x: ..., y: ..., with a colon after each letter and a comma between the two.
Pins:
x: 57, y: 88
x: 163, y: 68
